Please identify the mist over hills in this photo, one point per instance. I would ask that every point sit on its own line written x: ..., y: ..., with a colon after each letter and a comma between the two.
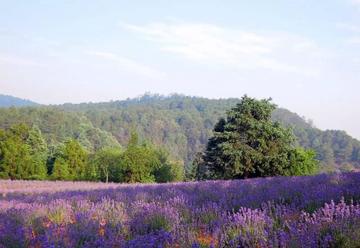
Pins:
x: 181, y: 124
x: 9, y: 101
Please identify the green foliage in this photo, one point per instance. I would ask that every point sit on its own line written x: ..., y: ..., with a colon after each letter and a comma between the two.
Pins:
x: 22, y: 153
x: 15, y: 158
x: 138, y: 162
x: 179, y: 123
x: 302, y: 162
x: 249, y: 144
x: 57, y: 126
x: 172, y: 171
x: 105, y: 165
x: 184, y: 124
x: 69, y: 162
x: 38, y: 151
x: 60, y: 170
x: 168, y: 171
x: 334, y: 149
x: 75, y: 156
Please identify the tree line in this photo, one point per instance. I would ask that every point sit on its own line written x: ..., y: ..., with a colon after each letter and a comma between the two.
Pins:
x: 245, y: 144
x: 24, y: 154
x: 93, y: 135
x: 181, y: 124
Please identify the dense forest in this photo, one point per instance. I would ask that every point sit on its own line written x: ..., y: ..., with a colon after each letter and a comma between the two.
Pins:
x: 180, y: 124
x: 24, y: 154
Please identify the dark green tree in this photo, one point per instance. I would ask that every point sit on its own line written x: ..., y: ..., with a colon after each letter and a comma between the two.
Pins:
x: 249, y: 144
x: 76, y: 158
x: 197, y: 170
x: 15, y: 154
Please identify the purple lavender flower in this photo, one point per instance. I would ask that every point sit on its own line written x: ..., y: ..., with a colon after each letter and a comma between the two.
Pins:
x: 314, y: 211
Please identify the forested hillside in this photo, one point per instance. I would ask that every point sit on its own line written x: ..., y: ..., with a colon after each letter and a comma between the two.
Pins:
x: 179, y: 123
x: 334, y: 148
x: 57, y: 126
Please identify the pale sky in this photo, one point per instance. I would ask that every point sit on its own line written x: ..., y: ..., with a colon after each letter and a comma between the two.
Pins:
x: 305, y: 54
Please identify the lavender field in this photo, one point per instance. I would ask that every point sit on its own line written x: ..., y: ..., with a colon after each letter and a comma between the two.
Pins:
x: 317, y: 211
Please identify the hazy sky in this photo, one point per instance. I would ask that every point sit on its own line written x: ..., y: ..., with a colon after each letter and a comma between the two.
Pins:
x: 305, y: 54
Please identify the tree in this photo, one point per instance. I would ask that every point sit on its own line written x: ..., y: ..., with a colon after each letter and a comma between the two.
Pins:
x: 38, y: 152
x: 15, y: 158
x: 249, y: 144
x: 302, y: 162
x: 73, y: 157
x: 168, y: 171
x: 105, y: 163
x: 197, y: 170
x: 3, y: 168
x: 138, y: 162
x: 60, y: 170
x: 76, y: 157
x: 172, y: 171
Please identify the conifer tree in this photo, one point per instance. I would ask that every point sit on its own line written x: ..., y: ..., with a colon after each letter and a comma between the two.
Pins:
x: 76, y: 158
x: 249, y: 144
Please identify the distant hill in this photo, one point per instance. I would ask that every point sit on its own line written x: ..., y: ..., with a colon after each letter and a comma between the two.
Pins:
x: 181, y: 124
x: 11, y: 101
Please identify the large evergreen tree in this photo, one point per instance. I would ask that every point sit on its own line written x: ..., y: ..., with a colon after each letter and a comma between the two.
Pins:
x: 76, y: 157
x: 249, y: 144
x: 22, y: 153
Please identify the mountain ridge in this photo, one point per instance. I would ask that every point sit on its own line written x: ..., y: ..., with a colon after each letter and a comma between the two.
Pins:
x: 12, y: 101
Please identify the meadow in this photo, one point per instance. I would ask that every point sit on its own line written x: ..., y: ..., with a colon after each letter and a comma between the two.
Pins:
x: 308, y: 211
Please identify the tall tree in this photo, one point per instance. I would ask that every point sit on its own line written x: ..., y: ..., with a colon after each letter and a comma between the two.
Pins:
x: 15, y: 154
x: 249, y: 144
x: 38, y: 152
x: 76, y: 157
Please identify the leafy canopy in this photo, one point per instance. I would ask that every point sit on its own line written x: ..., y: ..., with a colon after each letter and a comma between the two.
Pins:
x: 22, y: 153
x: 249, y: 144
